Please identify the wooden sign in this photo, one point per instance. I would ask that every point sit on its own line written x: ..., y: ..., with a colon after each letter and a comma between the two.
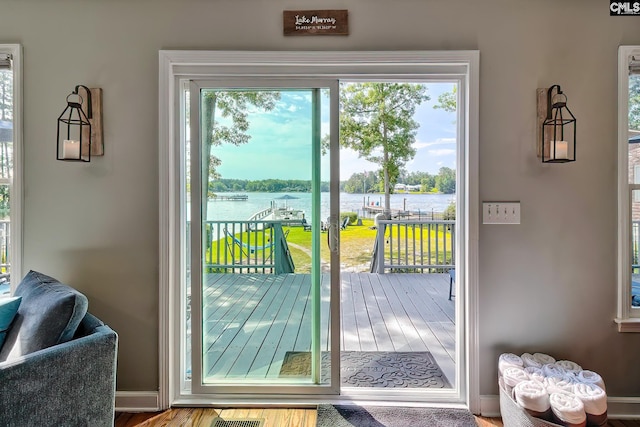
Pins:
x: 316, y: 22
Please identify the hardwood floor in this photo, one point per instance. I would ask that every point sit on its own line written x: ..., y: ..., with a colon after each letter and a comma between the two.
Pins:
x: 203, y: 417
x: 274, y: 417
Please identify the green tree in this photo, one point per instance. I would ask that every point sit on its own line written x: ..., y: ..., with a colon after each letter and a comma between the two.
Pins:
x: 233, y: 105
x: 416, y: 178
x: 365, y: 182
x: 448, y: 101
x: 446, y: 180
x: 634, y: 102
x: 428, y: 183
x: 450, y: 212
x: 376, y: 120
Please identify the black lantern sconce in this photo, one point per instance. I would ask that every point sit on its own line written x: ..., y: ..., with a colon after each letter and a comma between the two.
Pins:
x: 80, y: 132
x: 558, y: 130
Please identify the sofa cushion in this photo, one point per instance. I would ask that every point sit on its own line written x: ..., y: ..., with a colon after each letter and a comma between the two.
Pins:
x: 49, y: 314
x: 8, y: 309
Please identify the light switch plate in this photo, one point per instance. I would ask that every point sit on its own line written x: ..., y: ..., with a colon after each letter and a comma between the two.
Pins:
x: 501, y: 212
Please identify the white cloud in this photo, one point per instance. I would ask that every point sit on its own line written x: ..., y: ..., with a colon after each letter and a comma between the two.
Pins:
x: 439, y: 141
x: 442, y: 152
x: 351, y: 162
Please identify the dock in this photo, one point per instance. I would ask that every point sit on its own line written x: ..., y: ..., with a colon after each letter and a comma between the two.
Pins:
x: 233, y: 197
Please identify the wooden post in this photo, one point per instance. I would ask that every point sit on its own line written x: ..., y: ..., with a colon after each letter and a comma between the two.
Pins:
x: 97, y: 146
x: 542, y: 115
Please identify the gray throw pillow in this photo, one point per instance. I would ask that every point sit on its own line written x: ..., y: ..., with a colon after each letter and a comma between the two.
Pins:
x: 49, y: 314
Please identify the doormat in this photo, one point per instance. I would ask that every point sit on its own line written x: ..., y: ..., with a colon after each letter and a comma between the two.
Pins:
x: 372, y: 368
x: 382, y: 416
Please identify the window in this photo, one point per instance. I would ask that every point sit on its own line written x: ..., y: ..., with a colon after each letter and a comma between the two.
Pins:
x: 10, y: 164
x: 628, y: 189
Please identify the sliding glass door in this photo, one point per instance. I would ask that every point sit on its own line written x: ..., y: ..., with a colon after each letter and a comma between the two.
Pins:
x: 263, y: 186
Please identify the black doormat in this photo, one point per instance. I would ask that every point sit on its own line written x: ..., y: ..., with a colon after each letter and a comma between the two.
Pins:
x: 382, y: 416
x: 372, y: 369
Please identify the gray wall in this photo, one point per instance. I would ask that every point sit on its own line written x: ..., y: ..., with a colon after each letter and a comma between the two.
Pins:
x: 545, y: 285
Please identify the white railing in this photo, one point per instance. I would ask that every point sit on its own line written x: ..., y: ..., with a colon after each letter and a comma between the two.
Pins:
x: 635, y: 247
x: 5, y: 244
x: 262, y: 214
x: 414, y: 246
x: 245, y: 247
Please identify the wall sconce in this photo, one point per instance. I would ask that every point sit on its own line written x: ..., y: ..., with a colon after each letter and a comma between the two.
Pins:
x: 80, y: 133
x: 557, y: 127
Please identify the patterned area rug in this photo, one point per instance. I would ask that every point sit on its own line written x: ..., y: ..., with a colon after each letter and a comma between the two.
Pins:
x: 372, y: 368
x: 376, y: 416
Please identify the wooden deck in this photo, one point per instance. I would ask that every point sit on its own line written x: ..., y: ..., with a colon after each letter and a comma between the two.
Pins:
x: 252, y: 321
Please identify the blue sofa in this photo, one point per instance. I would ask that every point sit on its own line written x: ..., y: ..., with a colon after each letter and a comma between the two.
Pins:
x: 58, y: 362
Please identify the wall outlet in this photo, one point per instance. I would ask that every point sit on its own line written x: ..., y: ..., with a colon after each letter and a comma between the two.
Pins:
x: 501, y: 212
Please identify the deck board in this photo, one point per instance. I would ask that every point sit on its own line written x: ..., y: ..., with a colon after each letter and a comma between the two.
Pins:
x: 297, y: 293
x: 381, y: 335
x: 399, y: 341
x: 252, y: 320
x: 350, y: 341
x: 411, y: 333
x: 421, y: 312
x: 263, y: 333
x: 363, y: 322
x: 255, y: 311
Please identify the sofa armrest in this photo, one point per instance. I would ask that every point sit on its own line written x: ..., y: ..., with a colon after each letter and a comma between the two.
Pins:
x: 69, y: 384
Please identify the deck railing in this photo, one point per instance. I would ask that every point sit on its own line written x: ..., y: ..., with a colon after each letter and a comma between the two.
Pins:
x: 5, y: 243
x: 414, y: 246
x: 635, y: 247
x: 246, y: 247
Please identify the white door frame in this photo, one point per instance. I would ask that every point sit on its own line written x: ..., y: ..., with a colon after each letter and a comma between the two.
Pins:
x: 267, y: 387
x: 15, y: 184
x: 175, y: 66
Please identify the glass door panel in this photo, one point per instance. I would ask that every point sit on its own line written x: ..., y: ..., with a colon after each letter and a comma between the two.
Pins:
x: 262, y: 301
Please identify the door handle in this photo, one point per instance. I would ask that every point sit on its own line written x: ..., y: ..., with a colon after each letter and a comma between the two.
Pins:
x: 333, y: 236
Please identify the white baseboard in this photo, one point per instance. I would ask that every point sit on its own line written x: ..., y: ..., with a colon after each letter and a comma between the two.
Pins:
x: 618, y: 408
x: 137, y: 401
x: 489, y: 405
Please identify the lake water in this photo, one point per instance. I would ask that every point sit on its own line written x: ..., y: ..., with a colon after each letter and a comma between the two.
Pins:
x: 240, y: 210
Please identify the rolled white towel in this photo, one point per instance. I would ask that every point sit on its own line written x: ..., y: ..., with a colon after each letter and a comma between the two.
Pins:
x: 559, y: 384
x: 532, y: 396
x: 553, y: 370
x: 508, y: 360
x: 590, y: 377
x: 593, y: 397
x: 568, y: 365
x: 530, y: 361
x: 543, y: 359
x: 512, y: 376
x: 568, y: 409
x: 535, y: 374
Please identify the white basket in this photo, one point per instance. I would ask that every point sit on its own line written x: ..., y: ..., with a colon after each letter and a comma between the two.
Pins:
x: 513, y: 415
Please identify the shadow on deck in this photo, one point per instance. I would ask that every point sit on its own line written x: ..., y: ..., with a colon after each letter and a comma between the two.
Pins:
x: 251, y: 321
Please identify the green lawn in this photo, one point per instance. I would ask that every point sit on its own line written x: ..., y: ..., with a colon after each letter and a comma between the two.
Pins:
x: 356, y: 246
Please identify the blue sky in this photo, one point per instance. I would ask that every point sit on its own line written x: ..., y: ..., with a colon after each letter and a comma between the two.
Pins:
x: 280, y: 144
